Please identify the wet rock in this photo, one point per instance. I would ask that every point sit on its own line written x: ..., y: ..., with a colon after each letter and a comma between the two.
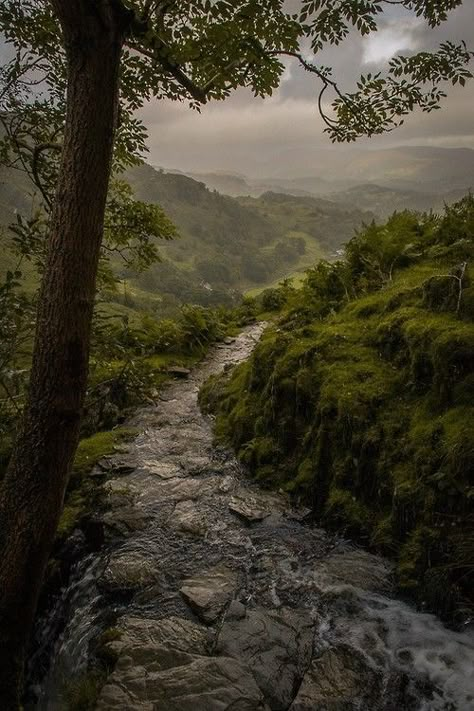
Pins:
x: 163, y: 470
x: 118, y: 468
x: 339, y: 680
x: 177, y: 371
x: 208, y: 594
x: 300, y: 515
x: 187, y: 518
x: 204, y: 684
x: 180, y: 489
x: 195, y: 464
x: 123, y: 521
x: 228, y: 340
x: 163, y: 664
x: 176, y: 633
x: 128, y: 571
x: 357, y: 568
x: 277, y: 646
x: 227, y: 484
x: 248, y: 508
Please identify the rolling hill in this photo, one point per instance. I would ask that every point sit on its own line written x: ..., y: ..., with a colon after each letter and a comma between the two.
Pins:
x: 226, y: 247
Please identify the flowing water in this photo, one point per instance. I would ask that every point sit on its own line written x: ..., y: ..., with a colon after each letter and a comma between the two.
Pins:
x: 221, y: 596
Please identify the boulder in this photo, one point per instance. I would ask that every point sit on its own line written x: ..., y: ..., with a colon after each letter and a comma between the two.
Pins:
x: 127, y: 571
x: 277, y: 646
x: 177, y: 371
x: 162, y: 666
x: 208, y: 594
x: 187, y: 518
x: 204, y: 684
x: 247, y: 508
x: 339, y: 680
x: 175, y: 633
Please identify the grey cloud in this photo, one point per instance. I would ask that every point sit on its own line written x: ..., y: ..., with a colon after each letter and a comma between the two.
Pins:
x: 284, y: 134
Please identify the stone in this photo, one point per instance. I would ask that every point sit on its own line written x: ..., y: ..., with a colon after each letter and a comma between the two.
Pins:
x: 162, y: 665
x: 163, y: 470
x: 173, y: 632
x: 207, y: 684
x: 247, y: 508
x: 187, y: 518
x: 228, y: 340
x: 339, y: 680
x: 178, y: 372
x: 300, y: 514
x: 277, y: 645
x: 204, y: 684
x: 187, y: 488
x: 357, y: 568
x: 126, y: 572
x: 227, y: 484
x: 124, y: 521
x: 123, y: 468
x: 209, y: 593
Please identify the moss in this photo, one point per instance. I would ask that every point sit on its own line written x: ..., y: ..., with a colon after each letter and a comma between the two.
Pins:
x: 81, y: 694
x: 103, y: 648
x: 415, y: 556
x: 92, y: 449
x: 81, y: 491
x: 349, y: 515
x: 364, y: 409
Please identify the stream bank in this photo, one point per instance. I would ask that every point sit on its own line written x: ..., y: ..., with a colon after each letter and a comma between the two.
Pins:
x: 211, y: 594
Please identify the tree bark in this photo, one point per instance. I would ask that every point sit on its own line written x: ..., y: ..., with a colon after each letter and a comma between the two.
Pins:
x: 32, y: 493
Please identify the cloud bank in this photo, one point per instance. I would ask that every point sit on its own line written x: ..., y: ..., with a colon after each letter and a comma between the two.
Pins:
x: 283, y: 135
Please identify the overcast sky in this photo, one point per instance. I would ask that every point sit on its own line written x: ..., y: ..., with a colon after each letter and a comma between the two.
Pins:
x: 283, y: 136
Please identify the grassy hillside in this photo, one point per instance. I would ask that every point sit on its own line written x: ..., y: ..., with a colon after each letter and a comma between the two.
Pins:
x: 359, y: 400
x: 232, y: 245
x: 226, y: 246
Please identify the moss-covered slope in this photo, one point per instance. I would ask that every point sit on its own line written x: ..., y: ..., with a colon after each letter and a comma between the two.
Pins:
x: 360, y: 399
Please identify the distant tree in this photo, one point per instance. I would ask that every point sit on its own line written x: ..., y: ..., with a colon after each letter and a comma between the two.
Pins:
x: 78, y: 72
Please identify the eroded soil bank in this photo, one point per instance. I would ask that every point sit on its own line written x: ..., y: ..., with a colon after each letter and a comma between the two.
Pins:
x: 215, y: 595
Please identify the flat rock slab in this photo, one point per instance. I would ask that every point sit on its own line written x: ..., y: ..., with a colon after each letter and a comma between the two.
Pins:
x: 178, y: 372
x: 182, y: 488
x: 248, y: 508
x: 204, y: 684
x: 276, y: 645
x: 175, y: 633
x: 163, y: 470
x: 128, y: 571
x: 208, y: 594
x: 340, y: 680
x: 356, y: 568
x: 187, y: 518
x: 163, y: 666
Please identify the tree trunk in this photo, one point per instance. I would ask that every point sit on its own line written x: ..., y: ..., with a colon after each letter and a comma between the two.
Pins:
x: 32, y: 493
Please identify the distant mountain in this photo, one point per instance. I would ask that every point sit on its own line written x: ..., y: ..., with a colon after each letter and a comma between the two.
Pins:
x: 237, y: 185
x: 424, y: 169
x: 381, y: 181
x: 383, y: 201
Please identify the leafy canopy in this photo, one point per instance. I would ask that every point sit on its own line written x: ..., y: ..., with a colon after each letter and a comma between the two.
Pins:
x: 199, y: 50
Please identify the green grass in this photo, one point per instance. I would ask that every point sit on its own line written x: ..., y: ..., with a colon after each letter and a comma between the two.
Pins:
x: 82, y: 491
x: 365, y: 411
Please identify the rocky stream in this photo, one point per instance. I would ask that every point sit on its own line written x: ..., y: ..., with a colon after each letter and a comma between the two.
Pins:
x: 222, y: 597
